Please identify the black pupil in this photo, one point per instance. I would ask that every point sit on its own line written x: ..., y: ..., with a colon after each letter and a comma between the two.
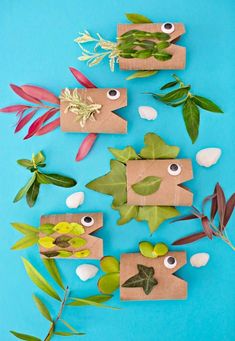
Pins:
x: 174, y: 167
x: 112, y: 92
x: 171, y: 260
x: 168, y: 26
x: 87, y: 219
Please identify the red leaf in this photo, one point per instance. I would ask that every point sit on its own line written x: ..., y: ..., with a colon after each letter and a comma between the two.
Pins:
x: 36, y: 125
x: 23, y: 121
x: 205, y: 201
x: 206, y: 226
x: 214, y: 206
x: 190, y: 239
x: 221, y: 203
x: 48, y: 127
x: 40, y: 93
x: 20, y: 92
x: 229, y: 209
x: 186, y: 217
x: 81, y: 78
x: 86, y: 146
x: 14, y: 108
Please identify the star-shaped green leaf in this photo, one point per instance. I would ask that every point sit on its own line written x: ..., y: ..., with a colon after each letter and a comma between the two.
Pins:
x: 156, y: 148
x: 144, y: 279
x: 126, y: 212
x: 113, y: 183
x: 123, y: 155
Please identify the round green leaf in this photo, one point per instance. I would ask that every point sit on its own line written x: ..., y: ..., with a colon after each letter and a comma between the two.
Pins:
x: 109, y: 264
x: 160, y: 249
x: 108, y: 283
x: 146, y: 249
x: 77, y: 242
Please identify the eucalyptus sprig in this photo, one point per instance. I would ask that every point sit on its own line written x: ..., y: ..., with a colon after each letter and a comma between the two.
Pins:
x: 190, y: 103
x: 32, y: 187
x: 64, y: 299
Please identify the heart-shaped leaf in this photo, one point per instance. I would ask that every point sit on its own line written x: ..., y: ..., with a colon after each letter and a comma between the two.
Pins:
x: 146, y: 249
x: 147, y: 186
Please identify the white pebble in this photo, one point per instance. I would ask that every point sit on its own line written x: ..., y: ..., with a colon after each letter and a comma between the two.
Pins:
x: 208, y: 156
x: 148, y: 113
x: 199, y: 259
x: 86, y: 271
x: 74, y: 200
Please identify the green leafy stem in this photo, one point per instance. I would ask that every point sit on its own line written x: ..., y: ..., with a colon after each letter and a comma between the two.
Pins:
x: 32, y: 187
x: 191, y: 104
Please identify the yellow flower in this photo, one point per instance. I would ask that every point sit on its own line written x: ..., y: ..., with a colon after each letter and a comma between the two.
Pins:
x: 63, y: 227
x: 82, y: 253
x: 47, y: 242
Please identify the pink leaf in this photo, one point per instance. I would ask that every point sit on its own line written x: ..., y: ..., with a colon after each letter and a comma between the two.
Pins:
x: 206, y: 226
x: 36, y: 125
x: 81, y: 78
x: 86, y: 146
x: 23, y: 121
x: 20, y: 92
x: 48, y: 127
x: 14, y: 108
x: 40, y: 93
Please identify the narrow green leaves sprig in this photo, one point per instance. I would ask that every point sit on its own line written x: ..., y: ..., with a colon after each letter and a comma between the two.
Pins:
x: 191, y: 104
x: 32, y: 187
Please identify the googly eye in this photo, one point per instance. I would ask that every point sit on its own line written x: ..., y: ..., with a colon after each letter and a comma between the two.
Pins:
x: 170, y: 262
x: 174, y: 169
x: 87, y: 221
x: 113, y: 94
x: 168, y: 27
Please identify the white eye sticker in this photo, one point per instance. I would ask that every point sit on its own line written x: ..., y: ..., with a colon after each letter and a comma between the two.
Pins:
x: 113, y: 94
x: 170, y: 262
x: 87, y: 221
x: 174, y: 169
x: 168, y: 27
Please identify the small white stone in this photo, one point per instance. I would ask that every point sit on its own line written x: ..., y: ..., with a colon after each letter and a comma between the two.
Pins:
x: 86, y: 271
x: 199, y: 259
x: 208, y: 156
x: 74, y: 200
x: 148, y: 113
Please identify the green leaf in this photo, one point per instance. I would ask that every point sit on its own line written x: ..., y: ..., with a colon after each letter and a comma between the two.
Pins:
x: 109, y: 264
x: 68, y: 334
x: 137, y: 18
x: 25, y: 163
x: 169, y: 85
x: 142, y: 74
x: 47, y: 228
x: 191, y: 116
x: 51, y: 267
x: 156, y: 148
x: 206, y: 104
x: 96, y: 299
x: 155, y: 215
x: 147, y: 186
x: 162, y: 55
x: 146, y: 249
x: 39, y: 280
x: 39, y: 158
x: 126, y: 212
x: 143, y: 54
x: 163, y: 45
x: 56, y: 179
x: 160, y: 249
x: 123, y: 155
x: 25, y: 189
x: 113, y: 183
x: 91, y: 303
x: 25, y: 337
x: 108, y: 283
x: 173, y: 95
x: 42, y: 308
x: 32, y: 193
x: 68, y: 325
x: 27, y: 241
x: 24, y: 228
x: 144, y: 279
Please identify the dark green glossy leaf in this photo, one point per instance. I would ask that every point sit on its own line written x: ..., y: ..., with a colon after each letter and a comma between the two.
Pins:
x: 56, y: 179
x: 25, y: 337
x: 25, y: 242
x: 123, y: 155
x: 163, y: 45
x: 191, y: 116
x: 39, y: 158
x: 142, y: 74
x: 24, y: 189
x: 25, y: 163
x: 42, y: 308
x: 173, y: 95
x: 53, y: 270
x: 169, y: 85
x: 156, y: 148
x: 147, y: 186
x: 144, y: 279
x: 142, y: 54
x: 206, y: 104
x: 137, y: 18
x: 162, y: 55
x: 32, y: 193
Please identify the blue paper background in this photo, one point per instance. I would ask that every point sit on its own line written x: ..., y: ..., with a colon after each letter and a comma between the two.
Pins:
x: 37, y: 47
